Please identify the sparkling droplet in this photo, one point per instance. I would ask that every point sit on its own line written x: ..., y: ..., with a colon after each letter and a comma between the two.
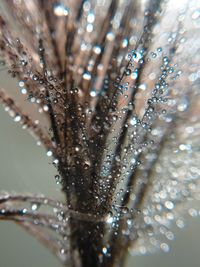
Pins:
x: 196, y: 14
x: 128, y: 72
x: 86, y: 76
x: 90, y: 17
x: 23, y: 91
x: 35, y: 206
x: 60, y: 10
x: 56, y: 161
x: 17, y: 118
x: 45, y: 108
x: 110, y: 219
x: 165, y: 247
x: 49, y: 153
x: 133, y: 121
x: 183, y: 106
x: 97, y: 49
x: 104, y: 250
x: 21, y: 83
x: 169, y: 205
x: 35, y: 77
x: 58, y: 179
x: 125, y: 43
x: 93, y: 93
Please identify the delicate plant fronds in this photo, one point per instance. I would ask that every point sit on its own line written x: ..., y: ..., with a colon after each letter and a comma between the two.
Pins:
x: 118, y: 83
x: 26, y: 121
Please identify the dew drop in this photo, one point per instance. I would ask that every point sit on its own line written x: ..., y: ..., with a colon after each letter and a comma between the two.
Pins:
x: 58, y: 179
x: 134, y: 75
x: 133, y: 121
x: 143, y: 86
x: 183, y: 105
x: 23, y: 62
x: 35, y: 206
x: 110, y: 219
x: 24, y: 211
x: 180, y: 223
x: 165, y: 247
x: 110, y: 36
x: 137, y: 56
x: 169, y: 205
x: 17, y: 118
x: 89, y: 27
x: 86, y: 76
x: 97, y: 49
x: 35, y: 77
x: 128, y: 72
x: 60, y: 10
x: 24, y: 91
x: 125, y: 210
x: 93, y: 93
x: 90, y: 17
x: 125, y: 43
x: 104, y: 250
x: 21, y: 83
x: 49, y: 153
x: 196, y: 14
x: 45, y: 108
x: 56, y: 161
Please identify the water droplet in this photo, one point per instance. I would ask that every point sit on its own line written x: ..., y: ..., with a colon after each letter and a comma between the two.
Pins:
x: 90, y: 17
x: 89, y: 27
x: 180, y: 223
x: 193, y: 212
x: 35, y: 206
x: 35, y: 77
x: 97, y: 49
x: 133, y: 121
x: 78, y: 148
x: 125, y: 43
x: 196, y: 14
x: 128, y: 72
x: 23, y: 62
x: 110, y: 218
x: 137, y: 56
x: 49, y: 153
x: 86, y: 76
x: 165, y: 247
x: 110, y: 36
x: 62, y: 251
x: 17, y: 118
x: 93, y: 93
x: 125, y: 210
x: 134, y: 75
x: 24, y: 211
x: 143, y: 86
x: 21, y: 83
x: 56, y: 161
x: 60, y: 10
x: 45, y: 108
x: 183, y: 105
x: 104, y: 250
x: 169, y: 205
x: 23, y: 91
x: 58, y: 179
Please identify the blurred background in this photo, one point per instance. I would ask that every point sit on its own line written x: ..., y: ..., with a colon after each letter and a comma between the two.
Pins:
x: 24, y: 167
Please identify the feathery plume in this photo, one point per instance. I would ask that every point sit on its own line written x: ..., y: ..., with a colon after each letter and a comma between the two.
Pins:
x: 118, y: 83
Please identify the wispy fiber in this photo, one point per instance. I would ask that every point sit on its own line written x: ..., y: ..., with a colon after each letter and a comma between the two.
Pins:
x: 118, y: 83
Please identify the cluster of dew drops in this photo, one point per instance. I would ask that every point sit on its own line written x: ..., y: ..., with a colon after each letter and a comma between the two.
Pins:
x: 132, y: 72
